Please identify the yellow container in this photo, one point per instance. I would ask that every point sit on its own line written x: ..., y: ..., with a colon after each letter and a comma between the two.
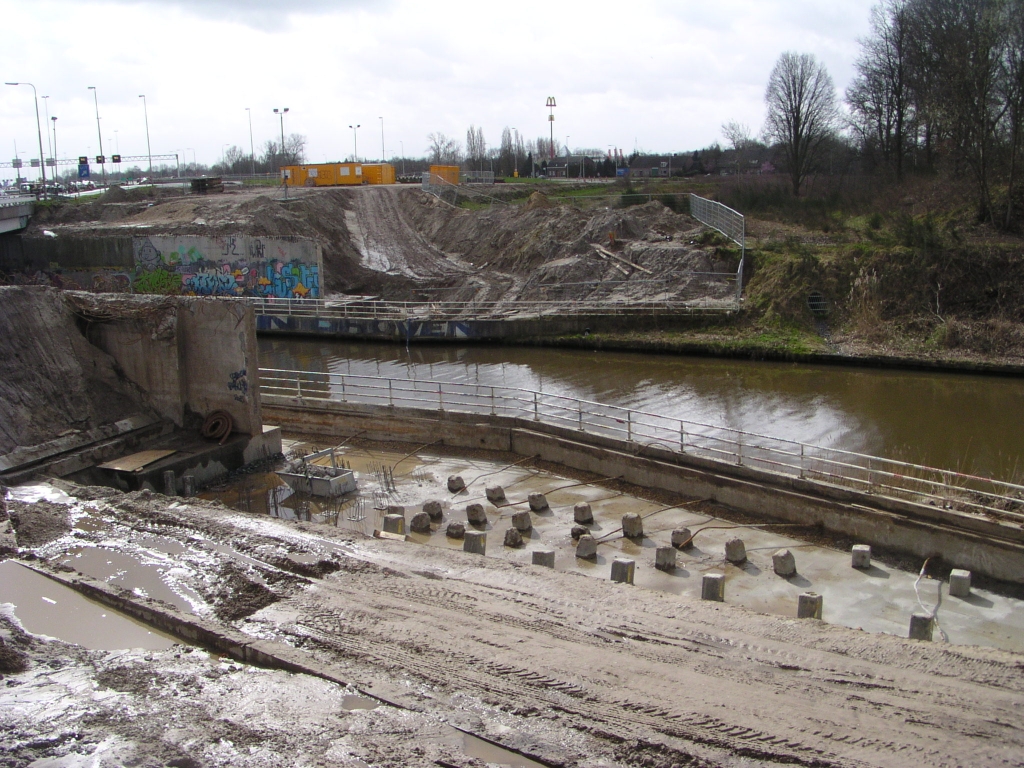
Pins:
x: 348, y: 173
x: 294, y: 175
x: 445, y: 174
x: 378, y: 173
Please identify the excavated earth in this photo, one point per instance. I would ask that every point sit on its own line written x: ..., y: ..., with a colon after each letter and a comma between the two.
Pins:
x: 401, y: 243
x: 426, y: 644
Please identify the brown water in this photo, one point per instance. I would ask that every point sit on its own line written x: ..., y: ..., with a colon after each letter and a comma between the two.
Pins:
x: 967, y: 423
x: 46, y: 607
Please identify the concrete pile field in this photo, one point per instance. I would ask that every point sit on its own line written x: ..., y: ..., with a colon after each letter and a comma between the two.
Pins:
x: 302, y: 640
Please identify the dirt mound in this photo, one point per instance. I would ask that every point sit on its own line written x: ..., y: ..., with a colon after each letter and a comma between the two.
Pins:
x: 537, y: 200
x: 38, y: 523
x: 114, y: 194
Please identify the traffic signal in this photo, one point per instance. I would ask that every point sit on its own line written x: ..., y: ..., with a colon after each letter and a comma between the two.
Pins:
x: 83, y: 160
x: 101, y: 159
x: 115, y: 158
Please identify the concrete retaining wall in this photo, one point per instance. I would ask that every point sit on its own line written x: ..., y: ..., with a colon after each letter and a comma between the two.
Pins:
x: 236, y: 265
x: 983, y: 546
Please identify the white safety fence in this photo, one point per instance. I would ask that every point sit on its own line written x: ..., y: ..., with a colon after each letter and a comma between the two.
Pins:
x: 730, y: 223
x: 867, y: 474
x: 373, y: 309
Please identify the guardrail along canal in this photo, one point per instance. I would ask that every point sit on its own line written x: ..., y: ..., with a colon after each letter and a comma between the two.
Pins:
x: 966, y: 423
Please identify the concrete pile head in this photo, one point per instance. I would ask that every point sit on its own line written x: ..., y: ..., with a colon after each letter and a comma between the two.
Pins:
x: 623, y: 570
x: 682, y: 538
x: 513, y: 538
x: 455, y: 530
x: 420, y: 523
x: 545, y: 557
x: 632, y: 526
x: 922, y: 626
x: 521, y: 521
x: 577, y: 531
x: 538, y: 502
x: 582, y: 513
x: 475, y: 514
x: 712, y: 587
x: 433, y: 509
x: 960, y: 583
x: 495, y: 494
x: 808, y: 605
x: 735, y: 551
x: 456, y: 484
x: 783, y: 563
x: 861, y: 557
x: 396, y: 509
x: 394, y: 524
x: 476, y: 542
x: 587, y: 547
x: 665, y: 558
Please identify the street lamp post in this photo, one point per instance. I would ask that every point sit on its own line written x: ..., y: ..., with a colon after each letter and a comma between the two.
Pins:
x: 149, y: 151
x: 382, y: 139
x: 355, y: 142
x: 46, y: 111
x: 56, y: 177
x: 252, y: 147
x: 99, y: 135
x: 39, y: 130
x: 280, y: 113
x: 551, y: 119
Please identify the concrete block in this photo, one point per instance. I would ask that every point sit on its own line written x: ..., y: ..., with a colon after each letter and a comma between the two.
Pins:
x: 420, y: 523
x: 495, y: 494
x: 455, y: 531
x: 579, y: 530
x: 170, y: 484
x: 394, y: 524
x: 632, y: 526
x: 433, y: 509
x: 521, y: 521
x: 959, y: 583
x: 587, y: 547
x: 582, y: 513
x: 784, y: 563
x: 475, y: 542
x: 456, y: 483
x: 396, y: 509
x: 538, y: 502
x: 475, y: 514
x: 735, y: 551
x: 681, y: 538
x: 861, y: 556
x: 921, y: 627
x: 712, y: 587
x: 545, y: 557
x: 188, y: 486
x: 665, y: 558
x: 623, y: 570
x: 513, y: 538
x: 808, y: 605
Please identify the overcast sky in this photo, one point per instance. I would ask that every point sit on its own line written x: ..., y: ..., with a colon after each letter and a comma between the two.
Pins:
x: 655, y: 75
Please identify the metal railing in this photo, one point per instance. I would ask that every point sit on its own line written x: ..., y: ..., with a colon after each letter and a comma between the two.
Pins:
x: 372, y: 309
x: 867, y: 474
x: 730, y: 223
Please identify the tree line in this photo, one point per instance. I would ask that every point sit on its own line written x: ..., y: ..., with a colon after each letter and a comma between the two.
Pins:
x: 939, y: 83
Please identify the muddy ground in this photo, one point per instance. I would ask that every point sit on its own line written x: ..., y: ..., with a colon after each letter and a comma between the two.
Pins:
x: 568, y: 670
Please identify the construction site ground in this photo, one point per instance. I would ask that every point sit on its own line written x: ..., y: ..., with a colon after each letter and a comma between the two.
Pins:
x: 428, y: 655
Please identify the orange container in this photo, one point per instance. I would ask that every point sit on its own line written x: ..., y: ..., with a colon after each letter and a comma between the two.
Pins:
x: 445, y: 173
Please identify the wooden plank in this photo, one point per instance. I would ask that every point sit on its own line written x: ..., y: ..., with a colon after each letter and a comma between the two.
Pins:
x: 136, y: 461
x: 606, y: 252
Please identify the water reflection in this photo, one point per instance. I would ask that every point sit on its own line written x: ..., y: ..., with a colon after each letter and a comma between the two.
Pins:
x: 961, y: 422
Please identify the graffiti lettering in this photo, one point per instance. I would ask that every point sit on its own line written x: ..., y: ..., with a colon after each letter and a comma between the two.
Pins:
x: 157, y: 281
x: 257, y: 250
x: 229, y: 247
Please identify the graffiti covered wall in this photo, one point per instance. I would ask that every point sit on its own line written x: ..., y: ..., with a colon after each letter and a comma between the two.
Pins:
x: 269, y: 267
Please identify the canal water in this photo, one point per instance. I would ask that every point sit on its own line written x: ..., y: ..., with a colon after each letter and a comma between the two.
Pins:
x: 966, y: 423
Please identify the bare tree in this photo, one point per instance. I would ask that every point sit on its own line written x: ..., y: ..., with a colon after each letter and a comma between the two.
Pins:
x: 476, y: 147
x: 737, y: 134
x: 443, y: 150
x: 1013, y: 93
x: 802, y: 111
x: 880, y: 95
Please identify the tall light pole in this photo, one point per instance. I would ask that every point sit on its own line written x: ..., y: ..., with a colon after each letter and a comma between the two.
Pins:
x: 280, y: 113
x: 96, y: 101
x: 46, y: 110
x: 149, y: 152
x: 382, y: 140
x: 551, y: 119
x: 56, y: 176
x: 355, y: 142
x: 252, y: 147
x: 39, y: 130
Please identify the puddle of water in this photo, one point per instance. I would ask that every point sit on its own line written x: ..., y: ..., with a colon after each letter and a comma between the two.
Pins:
x: 350, y: 703
x: 123, y: 570
x: 33, y: 493
x: 489, y: 753
x: 46, y: 607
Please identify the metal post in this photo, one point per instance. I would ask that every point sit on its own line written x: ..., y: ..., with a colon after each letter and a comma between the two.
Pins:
x: 343, y: 389
x: 99, y: 133
x: 391, y: 399
x: 801, y: 461
x: 298, y: 386
x: 252, y: 146
x: 739, y: 448
x: 629, y: 426
x: 145, y: 110
x: 440, y: 399
x: 492, y: 402
x: 682, y: 438
x: 536, y: 412
x: 39, y: 130
x: 579, y: 408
